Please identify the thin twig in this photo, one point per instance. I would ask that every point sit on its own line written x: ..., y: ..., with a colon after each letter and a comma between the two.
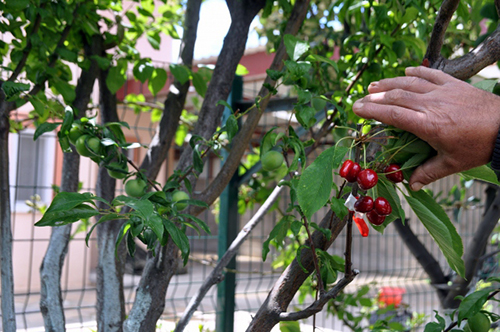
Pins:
x: 321, y: 288
x: 138, y: 170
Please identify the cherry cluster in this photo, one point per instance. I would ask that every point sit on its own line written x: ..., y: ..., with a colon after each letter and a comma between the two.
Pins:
x: 376, y: 210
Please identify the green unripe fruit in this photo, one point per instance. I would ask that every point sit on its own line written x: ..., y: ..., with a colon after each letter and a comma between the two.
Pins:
x: 479, y: 323
x: 272, y: 160
x: 135, y: 187
x: 114, y: 170
x: 180, y: 195
x: 93, y: 143
x: 318, y: 104
x: 74, y: 133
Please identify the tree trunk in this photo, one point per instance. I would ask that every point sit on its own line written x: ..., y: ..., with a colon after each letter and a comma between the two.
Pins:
x: 8, y: 310
x: 110, y: 297
x: 50, y: 271
x: 51, y: 304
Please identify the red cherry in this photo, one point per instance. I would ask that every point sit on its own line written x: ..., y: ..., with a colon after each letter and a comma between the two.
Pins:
x: 394, y: 173
x: 382, y: 206
x: 375, y: 218
x: 353, y: 173
x: 346, y: 167
x: 364, y: 204
x: 367, y: 179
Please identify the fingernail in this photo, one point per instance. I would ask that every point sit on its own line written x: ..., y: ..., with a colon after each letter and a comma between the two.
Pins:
x: 357, y: 105
x: 373, y: 84
x: 416, y: 186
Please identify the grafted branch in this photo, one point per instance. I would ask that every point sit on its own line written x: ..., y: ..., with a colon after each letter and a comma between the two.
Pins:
x: 318, y: 305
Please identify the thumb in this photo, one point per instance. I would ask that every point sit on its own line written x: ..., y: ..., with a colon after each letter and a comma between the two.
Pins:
x: 432, y: 170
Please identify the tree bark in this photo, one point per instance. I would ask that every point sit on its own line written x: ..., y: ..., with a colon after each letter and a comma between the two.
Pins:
x: 242, y: 14
x: 174, y: 104
x: 110, y: 297
x: 51, y: 304
x: 7, y: 282
x: 293, y: 277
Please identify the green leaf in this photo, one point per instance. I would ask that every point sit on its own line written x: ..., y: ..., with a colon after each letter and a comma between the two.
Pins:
x: 481, y: 173
x: 45, y: 128
x: 68, y: 120
x: 199, y: 84
x: 241, y: 70
x: 337, y: 205
x: 315, y: 183
x: 295, y: 47
x: 439, y: 227
x: 278, y: 232
x: 267, y: 141
x: 289, y: 326
x: 106, y: 217
x: 143, y: 70
x: 60, y: 218
x: 473, y: 303
x: 13, y: 88
x: 180, y: 239
x: 157, y: 81
x: 487, y: 85
x: 180, y: 72
x: 115, y: 79
x: 38, y: 106
x: 231, y: 127
x: 316, y: 57
x: 198, y: 221
x: 274, y: 74
x: 65, y: 89
x: 17, y: 4
x: 387, y: 190
x: 156, y: 224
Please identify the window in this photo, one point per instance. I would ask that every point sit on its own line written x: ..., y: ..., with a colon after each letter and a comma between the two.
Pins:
x: 31, y: 165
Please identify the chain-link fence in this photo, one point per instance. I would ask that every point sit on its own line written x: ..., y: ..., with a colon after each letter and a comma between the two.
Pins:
x: 383, y: 259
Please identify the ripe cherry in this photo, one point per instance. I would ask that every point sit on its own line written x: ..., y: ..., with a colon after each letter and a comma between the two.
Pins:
x: 364, y: 204
x: 393, y: 173
x: 382, y: 206
x: 353, y: 173
x: 367, y: 179
x: 375, y: 218
x: 346, y: 167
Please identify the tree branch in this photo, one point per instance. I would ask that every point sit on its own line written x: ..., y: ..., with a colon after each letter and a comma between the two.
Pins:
x: 293, y: 277
x: 466, y: 66
x: 318, y: 305
x: 27, y: 48
x: 174, y: 104
x: 424, y: 257
x: 448, y: 7
x: 242, y: 14
x: 475, y: 249
x: 216, y: 275
x: 240, y: 142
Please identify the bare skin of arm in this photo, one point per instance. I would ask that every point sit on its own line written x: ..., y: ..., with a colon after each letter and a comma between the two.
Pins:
x: 459, y: 121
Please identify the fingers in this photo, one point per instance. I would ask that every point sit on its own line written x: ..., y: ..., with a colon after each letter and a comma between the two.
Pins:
x: 397, y: 116
x: 432, y: 75
x: 434, y: 169
x: 396, y: 97
x: 408, y: 83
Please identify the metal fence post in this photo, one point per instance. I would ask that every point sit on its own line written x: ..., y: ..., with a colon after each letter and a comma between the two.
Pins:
x: 228, y: 229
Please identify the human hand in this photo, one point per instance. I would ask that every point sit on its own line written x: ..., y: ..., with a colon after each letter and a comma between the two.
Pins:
x: 459, y: 121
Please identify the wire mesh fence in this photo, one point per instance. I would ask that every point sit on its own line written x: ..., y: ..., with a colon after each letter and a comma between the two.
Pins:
x: 383, y: 259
